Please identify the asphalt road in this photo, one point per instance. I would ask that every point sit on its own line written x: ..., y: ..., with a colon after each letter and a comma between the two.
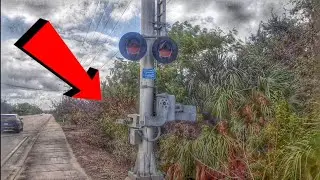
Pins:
x: 10, y: 140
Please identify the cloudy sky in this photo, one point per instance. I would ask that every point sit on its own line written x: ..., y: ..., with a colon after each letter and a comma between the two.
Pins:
x: 92, y: 28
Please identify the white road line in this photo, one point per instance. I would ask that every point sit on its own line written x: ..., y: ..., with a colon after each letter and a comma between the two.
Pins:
x: 13, y: 151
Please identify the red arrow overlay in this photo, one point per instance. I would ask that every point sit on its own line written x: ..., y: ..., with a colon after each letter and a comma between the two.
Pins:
x: 44, y: 44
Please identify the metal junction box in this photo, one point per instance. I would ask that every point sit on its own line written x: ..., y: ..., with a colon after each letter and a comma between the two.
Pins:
x: 134, y: 136
x: 134, y: 119
x: 186, y: 113
x: 168, y: 110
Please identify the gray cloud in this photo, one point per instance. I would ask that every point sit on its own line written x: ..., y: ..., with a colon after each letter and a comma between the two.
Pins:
x: 71, y: 18
x: 244, y: 15
x: 236, y: 11
x: 12, y: 27
x: 41, y: 98
x: 27, y: 73
x: 18, y: 94
x: 21, y: 75
x: 42, y: 7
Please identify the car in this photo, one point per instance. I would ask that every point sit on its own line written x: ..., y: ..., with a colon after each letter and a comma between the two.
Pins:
x: 11, y: 122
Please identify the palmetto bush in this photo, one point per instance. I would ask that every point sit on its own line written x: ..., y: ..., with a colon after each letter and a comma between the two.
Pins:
x: 253, y: 89
x: 294, y: 146
x: 284, y: 147
x: 242, y: 90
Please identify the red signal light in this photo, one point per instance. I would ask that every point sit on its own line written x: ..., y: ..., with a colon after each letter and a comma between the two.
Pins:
x: 134, y: 49
x: 165, y: 53
x: 165, y: 50
x: 132, y: 46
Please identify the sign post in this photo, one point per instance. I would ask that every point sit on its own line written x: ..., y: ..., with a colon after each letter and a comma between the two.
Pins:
x: 154, y: 109
x: 145, y: 167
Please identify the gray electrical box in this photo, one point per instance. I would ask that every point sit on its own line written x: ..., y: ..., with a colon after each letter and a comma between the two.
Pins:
x: 163, y: 109
x: 186, y: 113
x: 135, y: 120
x: 134, y: 136
x: 168, y: 110
x: 178, y: 111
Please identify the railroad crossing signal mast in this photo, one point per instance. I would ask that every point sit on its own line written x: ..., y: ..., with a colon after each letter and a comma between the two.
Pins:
x: 155, y: 109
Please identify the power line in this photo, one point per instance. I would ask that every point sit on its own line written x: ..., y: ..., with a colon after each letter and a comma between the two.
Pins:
x: 111, y: 31
x: 110, y: 60
x: 101, y: 17
x: 105, y: 25
x: 84, y: 40
x: 29, y: 88
x: 94, y: 32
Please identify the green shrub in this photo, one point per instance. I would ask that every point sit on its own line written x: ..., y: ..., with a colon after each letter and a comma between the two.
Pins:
x: 174, y: 149
x: 119, y: 142
x: 295, y: 146
x: 209, y: 148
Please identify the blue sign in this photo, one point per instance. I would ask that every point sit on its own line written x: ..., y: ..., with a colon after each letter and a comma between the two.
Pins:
x: 149, y: 74
x: 165, y: 50
x: 132, y: 46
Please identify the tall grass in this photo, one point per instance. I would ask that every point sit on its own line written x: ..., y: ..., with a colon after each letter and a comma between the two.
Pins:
x: 295, y: 146
x: 284, y: 147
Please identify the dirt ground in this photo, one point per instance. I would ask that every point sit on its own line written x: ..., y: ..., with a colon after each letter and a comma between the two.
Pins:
x: 96, y: 161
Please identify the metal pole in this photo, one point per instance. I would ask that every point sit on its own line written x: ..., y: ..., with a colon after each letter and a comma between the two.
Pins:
x: 161, y: 17
x: 145, y: 165
x: 164, y: 18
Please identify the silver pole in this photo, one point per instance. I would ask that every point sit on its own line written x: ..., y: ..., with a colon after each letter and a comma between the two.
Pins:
x: 146, y: 157
x: 145, y: 166
x: 164, y: 18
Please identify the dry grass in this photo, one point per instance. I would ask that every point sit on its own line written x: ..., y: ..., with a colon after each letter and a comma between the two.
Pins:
x: 96, y: 161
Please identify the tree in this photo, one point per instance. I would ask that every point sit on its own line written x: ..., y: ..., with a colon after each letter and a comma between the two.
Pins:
x: 26, y: 109
x: 123, y: 81
x: 259, y: 91
x: 6, y: 108
x: 20, y: 109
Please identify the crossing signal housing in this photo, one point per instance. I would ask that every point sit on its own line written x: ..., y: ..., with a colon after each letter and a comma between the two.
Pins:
x: 165, y: 50
x: 132, y: 46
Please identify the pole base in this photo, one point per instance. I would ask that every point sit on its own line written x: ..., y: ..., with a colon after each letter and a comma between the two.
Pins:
x: 132, y: 176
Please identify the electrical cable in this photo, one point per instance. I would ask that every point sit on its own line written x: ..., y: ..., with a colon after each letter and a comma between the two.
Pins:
x: 105, y: 25
x: 109, y: 61
x: 152, y: 140
x: 84, y: 40
x: 101, y: 17
x: 103, y: 28
x: 111, y: 32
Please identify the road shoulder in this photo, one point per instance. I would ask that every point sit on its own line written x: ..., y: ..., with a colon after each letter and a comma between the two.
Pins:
x: 98, y: 163
x: 51, y: 157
